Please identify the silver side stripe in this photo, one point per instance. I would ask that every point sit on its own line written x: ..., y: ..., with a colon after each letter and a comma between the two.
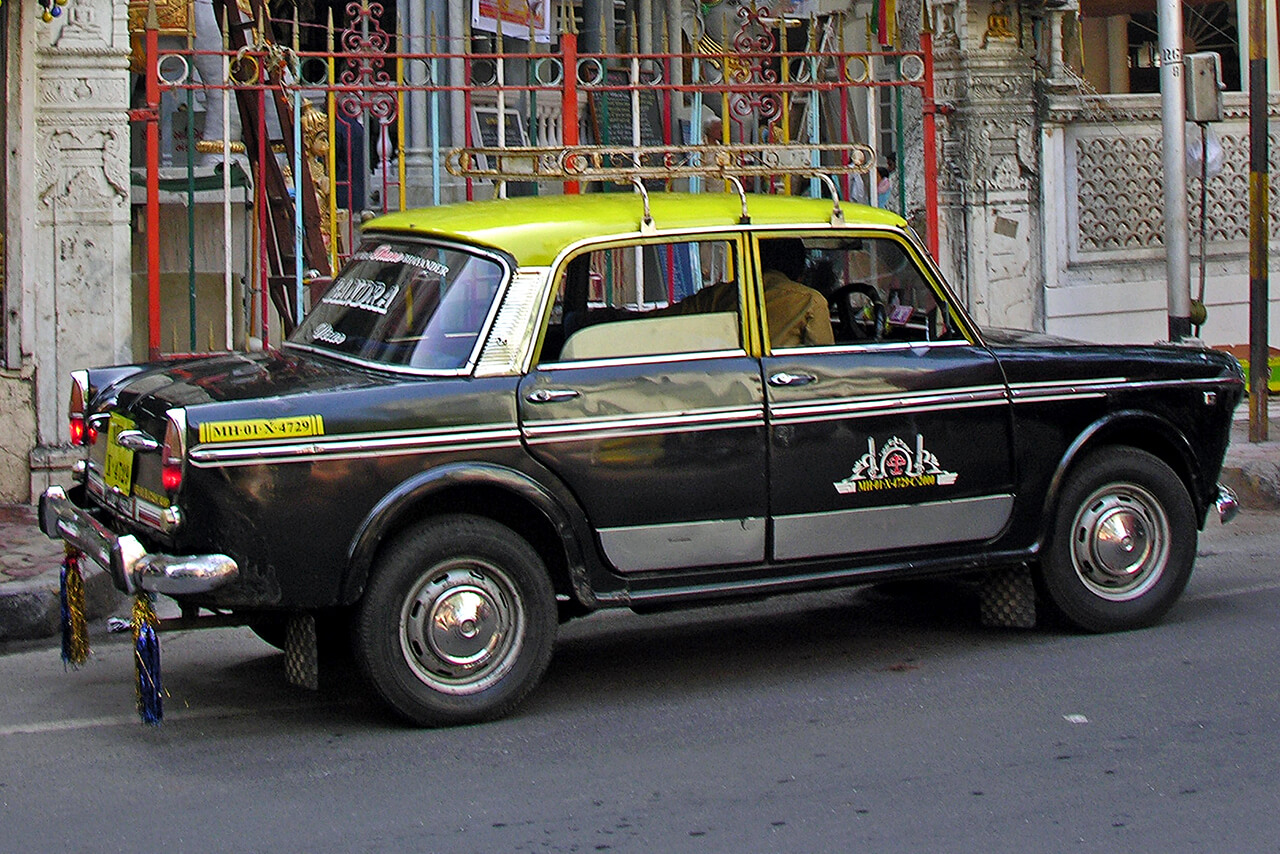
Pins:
x: 684, y: 544
x: 822, y: 410
x: 1045, y: 392
x: 357, y: 446
x: 578, y: 429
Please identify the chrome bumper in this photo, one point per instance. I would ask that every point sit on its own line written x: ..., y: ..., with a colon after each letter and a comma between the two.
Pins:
x: 130, y: 565
x: 1227, y: 503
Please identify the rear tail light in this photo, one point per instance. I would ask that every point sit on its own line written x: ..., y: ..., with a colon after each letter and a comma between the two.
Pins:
x: 75, y: 408
x: 173, y: 453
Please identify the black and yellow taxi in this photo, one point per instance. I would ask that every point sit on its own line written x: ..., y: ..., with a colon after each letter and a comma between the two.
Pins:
x: 505, y: 414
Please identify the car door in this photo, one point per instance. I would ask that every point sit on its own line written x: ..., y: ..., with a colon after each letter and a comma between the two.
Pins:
x: 896, y: 438
x: 650, y: 408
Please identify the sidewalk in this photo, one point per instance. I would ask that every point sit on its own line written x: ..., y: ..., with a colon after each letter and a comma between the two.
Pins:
x: 30, y: 561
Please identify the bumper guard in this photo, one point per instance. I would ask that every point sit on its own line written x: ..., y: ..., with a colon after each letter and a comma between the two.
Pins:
x: 130, y: 565
x: 1227, y: 503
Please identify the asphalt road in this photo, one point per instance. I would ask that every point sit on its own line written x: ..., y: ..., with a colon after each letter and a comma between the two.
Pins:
x: 847, y: 721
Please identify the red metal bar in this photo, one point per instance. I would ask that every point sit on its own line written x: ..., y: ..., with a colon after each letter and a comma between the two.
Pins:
x: 265, y: 231
x: 569, y: 98
x: 930, y: 147
x: 152, y: 39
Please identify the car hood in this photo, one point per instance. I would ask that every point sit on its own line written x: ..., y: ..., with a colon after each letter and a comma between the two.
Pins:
x: 1026, y: 338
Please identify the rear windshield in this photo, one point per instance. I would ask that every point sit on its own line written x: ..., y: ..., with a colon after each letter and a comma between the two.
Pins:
x: 408, y: 304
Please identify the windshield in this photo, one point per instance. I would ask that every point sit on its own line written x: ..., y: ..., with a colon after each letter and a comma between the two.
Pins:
x: 405, y: 303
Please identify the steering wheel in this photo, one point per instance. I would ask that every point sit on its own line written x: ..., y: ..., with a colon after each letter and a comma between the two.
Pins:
x: 865, y: 322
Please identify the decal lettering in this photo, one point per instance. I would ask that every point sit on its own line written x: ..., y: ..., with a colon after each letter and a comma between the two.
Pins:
x: 895, y: 466
x: 326, y: 333
x: 262, y: 428
x: 384, y: 254
x: 153, y: 497
x: 364, y: 294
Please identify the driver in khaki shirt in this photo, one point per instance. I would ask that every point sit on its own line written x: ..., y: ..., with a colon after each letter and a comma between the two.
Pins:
x: 797, y: 315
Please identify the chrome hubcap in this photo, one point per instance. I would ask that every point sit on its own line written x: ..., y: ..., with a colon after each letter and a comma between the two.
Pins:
x: 461, y: 626
x: 1120, y: 541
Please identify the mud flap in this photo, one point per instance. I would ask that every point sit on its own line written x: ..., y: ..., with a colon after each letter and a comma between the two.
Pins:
x: 301, y: 654
x: 1007, y: 599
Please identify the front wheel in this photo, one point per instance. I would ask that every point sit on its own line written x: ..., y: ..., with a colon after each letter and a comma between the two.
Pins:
x: 458, y: 622
x: 1122, y: 544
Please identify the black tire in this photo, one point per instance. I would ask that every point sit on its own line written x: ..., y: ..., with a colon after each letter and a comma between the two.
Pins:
x: 491, y: 636
x: 1122, y: 544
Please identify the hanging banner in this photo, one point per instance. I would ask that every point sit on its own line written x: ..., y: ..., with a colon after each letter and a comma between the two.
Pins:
x: 518, y: 18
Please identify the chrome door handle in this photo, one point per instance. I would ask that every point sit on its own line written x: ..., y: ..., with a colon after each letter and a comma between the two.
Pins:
x: 552, y: 395
x: 786, y: 379
x: 136, y: 440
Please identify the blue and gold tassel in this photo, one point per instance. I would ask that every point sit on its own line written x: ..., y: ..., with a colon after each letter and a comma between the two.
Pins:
x: 75, y: 629
x: 146, y: 657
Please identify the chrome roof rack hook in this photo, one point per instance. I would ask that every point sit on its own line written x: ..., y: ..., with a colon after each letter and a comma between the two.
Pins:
x: 646, y: 223
x: 745, y: 219
x: 837, y: 215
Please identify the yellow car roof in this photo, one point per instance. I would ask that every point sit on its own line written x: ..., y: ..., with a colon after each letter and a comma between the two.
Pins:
x: 535, y: 229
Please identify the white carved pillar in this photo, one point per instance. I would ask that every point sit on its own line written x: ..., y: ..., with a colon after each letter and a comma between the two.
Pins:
x: 79, y: 287
x: 989, y: 171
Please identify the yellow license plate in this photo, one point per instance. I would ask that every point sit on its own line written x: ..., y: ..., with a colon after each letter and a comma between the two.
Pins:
x: 118, y: 469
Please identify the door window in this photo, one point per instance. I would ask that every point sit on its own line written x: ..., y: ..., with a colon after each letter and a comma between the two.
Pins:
x: 877, y: 292
x: 646, y: 300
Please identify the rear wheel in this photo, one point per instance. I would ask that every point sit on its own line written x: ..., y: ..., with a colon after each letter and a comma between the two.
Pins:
x: 1123, y: 542
x: 458, y: 622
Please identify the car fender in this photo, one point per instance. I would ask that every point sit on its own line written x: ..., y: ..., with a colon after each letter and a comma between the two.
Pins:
x: 410, y: 494
x: 1169, y: 440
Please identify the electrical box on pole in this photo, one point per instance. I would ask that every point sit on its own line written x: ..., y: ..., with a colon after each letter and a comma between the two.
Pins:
x: 1204, y: 87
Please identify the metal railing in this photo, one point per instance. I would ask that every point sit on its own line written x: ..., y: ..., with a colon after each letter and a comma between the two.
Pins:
x: 367, y: 125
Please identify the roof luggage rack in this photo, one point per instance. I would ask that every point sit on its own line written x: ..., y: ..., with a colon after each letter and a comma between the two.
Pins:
x: 623, y: 164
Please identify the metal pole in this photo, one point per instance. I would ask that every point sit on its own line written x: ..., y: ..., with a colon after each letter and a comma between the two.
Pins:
x: 1259, y: 205
x: 152, y: 41
x: 1173, y: 103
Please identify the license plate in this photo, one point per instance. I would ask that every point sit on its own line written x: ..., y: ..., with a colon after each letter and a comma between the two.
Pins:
x: 118, y: 469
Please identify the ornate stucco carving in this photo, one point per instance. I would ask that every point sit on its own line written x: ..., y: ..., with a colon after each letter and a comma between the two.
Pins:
x: 85, y: 168
x: 86, y: 26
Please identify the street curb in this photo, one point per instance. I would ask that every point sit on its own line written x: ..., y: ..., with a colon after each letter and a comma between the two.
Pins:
x: 30, y: 610
x: 1256, y: 484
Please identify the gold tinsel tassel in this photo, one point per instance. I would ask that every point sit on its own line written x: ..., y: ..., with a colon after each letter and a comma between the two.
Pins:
x: 75, y: 629
x: 146, y: 658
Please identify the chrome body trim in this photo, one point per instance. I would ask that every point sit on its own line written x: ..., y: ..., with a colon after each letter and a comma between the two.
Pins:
x: 130, y: 565
x: 653, y: 359
x: 685, y: 544
x: 898, y: 526
x: 871, y: 346
x: 1227, y: 503
x: 928, y: 401
x: 578, y: 429
x: 356, y: 446
x: 132, y: 507
x: 138, y: 441
x: 512, y: 335
x: 1047, y: 392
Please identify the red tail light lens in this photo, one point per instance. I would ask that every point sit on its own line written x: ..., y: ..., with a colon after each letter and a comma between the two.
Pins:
x: 173, y: 452
x: 75, y: 407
